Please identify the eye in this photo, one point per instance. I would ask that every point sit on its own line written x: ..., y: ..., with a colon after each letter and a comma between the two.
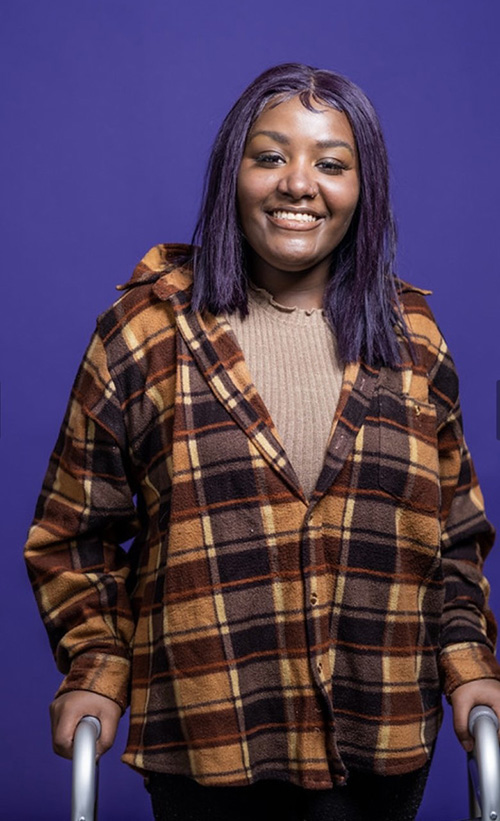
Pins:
x: 331, y: 166
x: 269, y: 158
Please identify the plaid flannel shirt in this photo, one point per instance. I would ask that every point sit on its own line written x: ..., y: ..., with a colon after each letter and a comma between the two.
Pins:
x: 258, y: 634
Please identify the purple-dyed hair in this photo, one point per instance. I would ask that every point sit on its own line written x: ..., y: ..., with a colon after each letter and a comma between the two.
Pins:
x: 360, y: 300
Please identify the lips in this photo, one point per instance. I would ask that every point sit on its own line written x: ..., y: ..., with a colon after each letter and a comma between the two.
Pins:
x: 294, y: 215
x: 297, y: 219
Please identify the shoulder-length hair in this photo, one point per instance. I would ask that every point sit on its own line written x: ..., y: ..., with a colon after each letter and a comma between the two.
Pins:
x: 360, y: 300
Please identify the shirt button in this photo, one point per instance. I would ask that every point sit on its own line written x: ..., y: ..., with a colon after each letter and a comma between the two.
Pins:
x: 320, y: 667
x: 314, y: 598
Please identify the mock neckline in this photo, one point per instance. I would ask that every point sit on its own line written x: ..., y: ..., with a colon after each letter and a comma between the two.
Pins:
x: 263, y: 297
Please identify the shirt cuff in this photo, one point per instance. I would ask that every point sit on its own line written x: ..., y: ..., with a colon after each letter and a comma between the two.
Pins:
x: 464, y: 662
x: 100, y: 673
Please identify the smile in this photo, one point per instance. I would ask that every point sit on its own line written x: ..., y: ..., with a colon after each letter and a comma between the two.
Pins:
x: 293, y: 216
x: 295, y: 220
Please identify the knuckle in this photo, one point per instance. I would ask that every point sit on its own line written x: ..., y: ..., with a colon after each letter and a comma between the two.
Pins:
x: 62, y: 750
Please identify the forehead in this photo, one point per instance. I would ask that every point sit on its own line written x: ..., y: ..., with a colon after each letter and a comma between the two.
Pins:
x: 292, y: 117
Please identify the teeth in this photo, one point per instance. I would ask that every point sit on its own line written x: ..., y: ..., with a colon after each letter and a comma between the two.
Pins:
x: 292, y: 215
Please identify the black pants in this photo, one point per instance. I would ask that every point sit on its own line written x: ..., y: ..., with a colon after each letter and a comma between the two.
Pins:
x: 365, y: 797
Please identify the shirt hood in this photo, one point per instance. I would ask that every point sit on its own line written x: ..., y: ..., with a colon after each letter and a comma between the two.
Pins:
x: 159, y: 260
x: 405, y: 287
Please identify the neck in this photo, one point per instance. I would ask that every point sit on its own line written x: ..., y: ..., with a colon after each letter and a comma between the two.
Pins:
x: 301, y: 289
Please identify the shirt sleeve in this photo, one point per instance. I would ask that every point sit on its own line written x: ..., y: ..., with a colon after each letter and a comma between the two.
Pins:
x: 79, y: 571
x: 468, y: 627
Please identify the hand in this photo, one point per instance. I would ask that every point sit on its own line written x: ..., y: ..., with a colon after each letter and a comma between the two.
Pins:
x: 483, y: 691
x: 67, y: 710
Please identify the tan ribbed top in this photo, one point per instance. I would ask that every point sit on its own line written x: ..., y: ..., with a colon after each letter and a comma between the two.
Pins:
x: 292, y: 357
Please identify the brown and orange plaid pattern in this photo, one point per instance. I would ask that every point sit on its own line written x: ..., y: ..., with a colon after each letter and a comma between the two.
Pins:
x: 259, y: 634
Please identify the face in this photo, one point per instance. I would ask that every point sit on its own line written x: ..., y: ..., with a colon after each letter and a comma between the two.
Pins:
x: 298, y: 187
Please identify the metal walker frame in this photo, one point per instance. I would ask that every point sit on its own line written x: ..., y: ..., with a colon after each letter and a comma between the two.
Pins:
x: 484, y: 767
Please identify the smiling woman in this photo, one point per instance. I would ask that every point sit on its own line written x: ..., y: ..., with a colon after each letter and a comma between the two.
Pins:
x: 274, y: 416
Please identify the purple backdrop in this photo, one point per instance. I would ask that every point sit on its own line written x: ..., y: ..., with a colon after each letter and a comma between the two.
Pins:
x: 110, y: 107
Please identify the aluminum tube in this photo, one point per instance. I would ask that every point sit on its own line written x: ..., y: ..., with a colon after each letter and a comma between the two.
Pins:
x: 483, y: 725
x: 84, y: 786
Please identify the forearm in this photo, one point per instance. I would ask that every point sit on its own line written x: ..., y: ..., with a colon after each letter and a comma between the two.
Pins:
x: 468, y: 627
x: 79, y: 572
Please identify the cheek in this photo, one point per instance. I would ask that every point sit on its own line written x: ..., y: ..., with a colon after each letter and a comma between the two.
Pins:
x: 352, y: 203
x: 249, y: 212
x: 345, y: 201
x: 253, y: 189
x: 246, y: 199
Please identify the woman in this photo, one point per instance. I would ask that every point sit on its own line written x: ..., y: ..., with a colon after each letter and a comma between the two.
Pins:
x: 281, y: 432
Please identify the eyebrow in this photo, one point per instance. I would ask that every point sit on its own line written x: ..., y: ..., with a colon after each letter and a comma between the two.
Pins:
x: 278, y: 137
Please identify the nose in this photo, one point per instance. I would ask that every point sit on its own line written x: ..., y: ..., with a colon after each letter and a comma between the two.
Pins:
x: 298, y: 182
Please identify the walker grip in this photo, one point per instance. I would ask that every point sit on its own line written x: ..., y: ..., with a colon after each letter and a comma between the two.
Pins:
x: 484, y: 764
x: 84, y: 781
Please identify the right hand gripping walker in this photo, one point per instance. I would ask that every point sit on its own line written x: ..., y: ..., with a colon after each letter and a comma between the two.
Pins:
x: 484, y: 768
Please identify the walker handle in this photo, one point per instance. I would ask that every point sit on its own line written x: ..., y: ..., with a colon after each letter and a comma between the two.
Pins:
x: 483, y: 726
x: 84, y: 782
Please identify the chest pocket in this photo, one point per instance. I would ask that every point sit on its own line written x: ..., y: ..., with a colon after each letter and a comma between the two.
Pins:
x: 408, y: 456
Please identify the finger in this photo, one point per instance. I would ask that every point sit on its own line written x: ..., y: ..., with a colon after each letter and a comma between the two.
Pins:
x: 64, y: 720
x: 460, y: 723
x: 63, y: 731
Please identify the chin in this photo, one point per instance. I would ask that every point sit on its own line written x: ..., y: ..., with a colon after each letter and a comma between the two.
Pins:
x: 294, y: 264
